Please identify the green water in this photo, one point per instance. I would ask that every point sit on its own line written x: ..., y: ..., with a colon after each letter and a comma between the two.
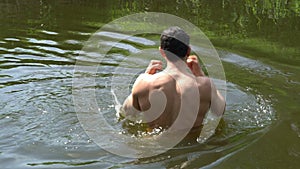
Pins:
x: 40, y: 41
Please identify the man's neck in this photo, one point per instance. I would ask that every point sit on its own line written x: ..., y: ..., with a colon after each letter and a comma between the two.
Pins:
x: 177, y: 66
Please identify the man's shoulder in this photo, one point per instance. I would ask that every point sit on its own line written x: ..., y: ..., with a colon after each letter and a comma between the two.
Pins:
x: 147, y: 81
x: 204, y: 82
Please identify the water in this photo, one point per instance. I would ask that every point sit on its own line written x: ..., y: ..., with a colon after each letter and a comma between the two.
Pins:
x: 40, y: 42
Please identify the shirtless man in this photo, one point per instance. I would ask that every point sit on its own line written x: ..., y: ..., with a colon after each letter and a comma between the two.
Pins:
x: 159, y: 96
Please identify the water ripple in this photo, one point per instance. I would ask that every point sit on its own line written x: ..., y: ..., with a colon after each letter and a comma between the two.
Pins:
x: 12, y: 39
x: 134, y: 39
x: 49, y: 32
x: 51, y: 49
x: 250, y: 64
x: 45, y: 42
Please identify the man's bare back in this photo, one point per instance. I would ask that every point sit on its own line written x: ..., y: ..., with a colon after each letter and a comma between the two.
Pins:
x: 181, y: 87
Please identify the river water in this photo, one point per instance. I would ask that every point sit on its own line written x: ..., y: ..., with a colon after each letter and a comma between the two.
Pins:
x: 40, y: 42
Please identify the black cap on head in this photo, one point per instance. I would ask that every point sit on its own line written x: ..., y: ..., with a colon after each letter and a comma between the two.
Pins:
x: 175, y: 40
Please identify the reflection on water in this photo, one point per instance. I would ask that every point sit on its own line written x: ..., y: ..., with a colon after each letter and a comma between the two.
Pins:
x: 40, y: 42
x: 41, y: 122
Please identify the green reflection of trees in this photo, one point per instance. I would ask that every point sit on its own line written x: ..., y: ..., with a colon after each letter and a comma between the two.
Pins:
x: 268, y: 28
x: 271, y: 19
x: 261, y: 28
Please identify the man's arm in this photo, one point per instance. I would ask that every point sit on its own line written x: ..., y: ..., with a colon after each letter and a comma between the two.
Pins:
x: 193, y: 64
x: 131, y: 105
x: 218, y: 103
x: 217, y: 100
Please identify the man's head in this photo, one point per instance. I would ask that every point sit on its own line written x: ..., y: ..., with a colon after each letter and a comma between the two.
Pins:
x: 175, y: 41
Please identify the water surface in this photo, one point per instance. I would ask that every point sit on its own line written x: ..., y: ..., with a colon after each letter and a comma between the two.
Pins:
x: 40, y: 42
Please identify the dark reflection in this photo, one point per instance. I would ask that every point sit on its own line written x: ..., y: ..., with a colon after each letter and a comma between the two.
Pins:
x: 225, y: 22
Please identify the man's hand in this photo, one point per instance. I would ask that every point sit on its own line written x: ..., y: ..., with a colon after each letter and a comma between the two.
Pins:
x: 153, y: 66
x: 193, y: 64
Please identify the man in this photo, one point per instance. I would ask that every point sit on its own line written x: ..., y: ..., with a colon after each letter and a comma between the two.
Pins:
x: 181, y: 87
